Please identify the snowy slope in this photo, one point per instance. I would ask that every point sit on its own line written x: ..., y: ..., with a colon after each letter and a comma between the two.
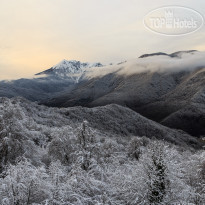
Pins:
x: 111, y: 120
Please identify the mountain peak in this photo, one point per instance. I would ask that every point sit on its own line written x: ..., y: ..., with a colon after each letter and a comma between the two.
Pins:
x: 65, y: 68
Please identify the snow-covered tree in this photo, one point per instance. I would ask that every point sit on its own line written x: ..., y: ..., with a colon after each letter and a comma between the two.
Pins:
x: 24, y: 184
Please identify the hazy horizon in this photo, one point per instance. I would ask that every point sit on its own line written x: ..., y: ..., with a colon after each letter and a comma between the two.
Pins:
x: 37, y: 34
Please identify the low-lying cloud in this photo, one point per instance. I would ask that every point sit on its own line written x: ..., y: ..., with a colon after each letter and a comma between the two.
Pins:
x: 184, y: 62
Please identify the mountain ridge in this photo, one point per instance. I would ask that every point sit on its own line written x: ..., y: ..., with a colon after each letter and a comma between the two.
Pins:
x: 172, y: 55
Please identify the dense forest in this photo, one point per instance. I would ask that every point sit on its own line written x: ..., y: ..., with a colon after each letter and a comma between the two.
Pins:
x: 48, y: 156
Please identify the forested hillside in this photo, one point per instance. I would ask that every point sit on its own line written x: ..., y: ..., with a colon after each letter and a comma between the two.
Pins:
x: 55, y: 156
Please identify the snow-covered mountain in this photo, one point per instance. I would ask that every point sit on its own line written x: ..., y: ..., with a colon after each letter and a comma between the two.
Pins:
x: 156, y: 86
x: 67, y: 68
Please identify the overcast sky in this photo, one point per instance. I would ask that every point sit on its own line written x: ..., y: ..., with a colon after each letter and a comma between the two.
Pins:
x: 37, y: 34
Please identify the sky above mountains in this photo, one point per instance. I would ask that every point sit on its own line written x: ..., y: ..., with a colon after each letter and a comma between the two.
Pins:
x: 36, y: 34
